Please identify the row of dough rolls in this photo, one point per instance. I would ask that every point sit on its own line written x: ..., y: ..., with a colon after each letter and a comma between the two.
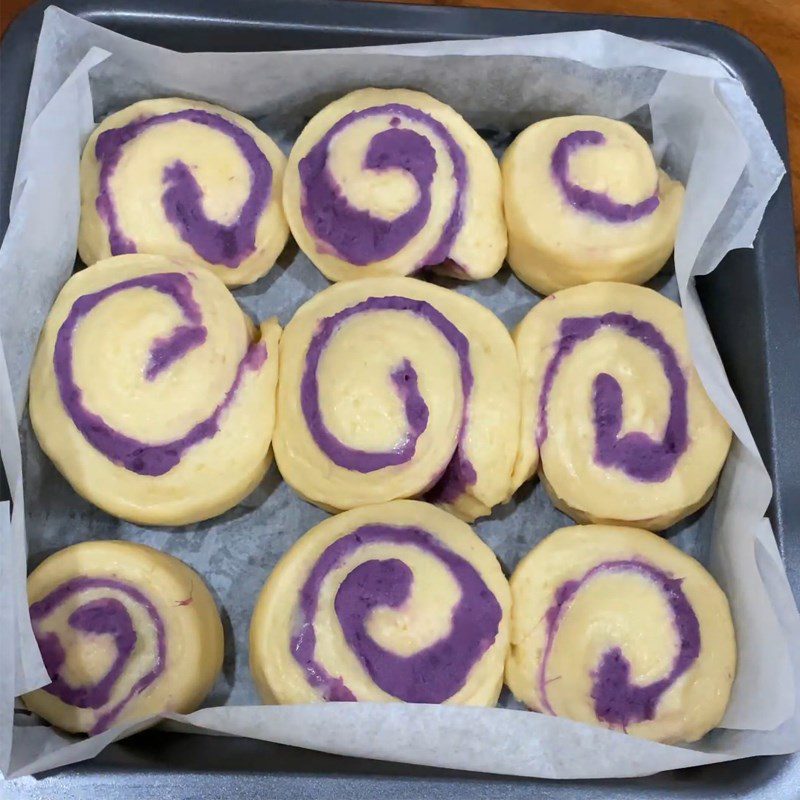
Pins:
x: 380, y: 182
x: 611, y: 626
x: 154, y: 394
x: 159, y: 400
x: 398, y: 602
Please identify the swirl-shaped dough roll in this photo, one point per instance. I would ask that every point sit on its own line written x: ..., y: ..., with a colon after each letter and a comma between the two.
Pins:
x: 153, y: 393
x: 388, y: 182
x: 392, y: 388
x: 184, y: 179
x: 392, y: 602
x: 584, y: 201
x: 616, y: 627
x: 125, y: 632
x: 614, y: 408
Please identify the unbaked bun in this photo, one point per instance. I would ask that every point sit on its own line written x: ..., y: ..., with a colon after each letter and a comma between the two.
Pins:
x: 126, y: 632
x: 153, y: 392
x: 614, y: 412
x: 616, y: 627
x: 184, y: 179
x: 399, y: 601
x: 389, y: 182
x: 392, y: 388
x: 585, y: 201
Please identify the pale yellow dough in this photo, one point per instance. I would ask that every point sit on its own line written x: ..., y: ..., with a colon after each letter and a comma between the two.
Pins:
x: 192, y: 633
x: 111, y: 347
x: 480, y: 246
x: 551, y: 244
x: 619, y: 609
x: 218, y: 166
x: 421, y: 621
x: 578, y: 485
x: 363, y: 410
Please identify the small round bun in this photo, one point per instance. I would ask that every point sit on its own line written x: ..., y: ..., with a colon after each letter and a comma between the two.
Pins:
x: 391, y: 181
x: 614, y: 412
x: 585, y: 201
x: 393, y: 388
x: 616, y: 627
x: 393, y: 602
x: 153, y: 393
x: 126, y: 632
x: 187, y: 180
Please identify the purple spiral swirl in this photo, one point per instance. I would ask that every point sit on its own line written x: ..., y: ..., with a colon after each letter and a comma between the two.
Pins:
x: 140, y: 457
x: 182, y: 199
x: 104, y: 616
x: 617, y: 701
x: 431, y: 675
x: 358, y: 236
x: 585, y: 200
x: 635, y: 453
x: 459, y: 472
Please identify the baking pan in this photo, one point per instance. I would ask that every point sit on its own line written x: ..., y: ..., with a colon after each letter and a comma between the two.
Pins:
x: 751, y: 302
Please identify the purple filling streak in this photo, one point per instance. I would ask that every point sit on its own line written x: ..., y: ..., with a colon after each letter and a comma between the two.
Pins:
x: 357, y: 236
x: 636, y: 454
x: 431, y: 675
x: 136, y: 456
x: 165, y: 352
x: 616, y: 700
x: 182, y: 199
x: 105, y: 616
x: 596, y: 203
x: 459, y: 473
x: 457, y: 476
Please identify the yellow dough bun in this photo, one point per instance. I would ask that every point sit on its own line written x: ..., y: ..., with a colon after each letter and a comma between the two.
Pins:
x: 393, y: 388
x: 391, y: 181
x: 184, y: 179
x: 616, y: 627
x: 584, y: 201
x: 392, y: 602
x: 614, y: 412
x: 153, y: 392
x: 126, y: 632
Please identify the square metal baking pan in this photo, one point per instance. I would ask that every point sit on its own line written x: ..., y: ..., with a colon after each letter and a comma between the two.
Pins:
x: 753, y: 309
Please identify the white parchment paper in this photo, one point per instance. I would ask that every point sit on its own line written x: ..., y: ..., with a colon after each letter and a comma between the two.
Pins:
x: 707, y: 133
